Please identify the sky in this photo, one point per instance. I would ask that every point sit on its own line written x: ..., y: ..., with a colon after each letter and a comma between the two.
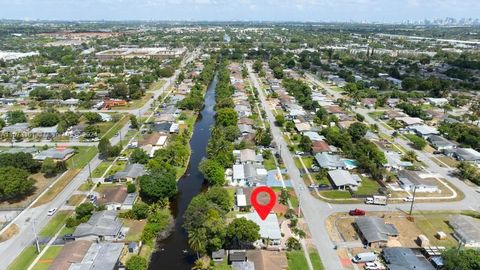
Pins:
x: 243, y: 10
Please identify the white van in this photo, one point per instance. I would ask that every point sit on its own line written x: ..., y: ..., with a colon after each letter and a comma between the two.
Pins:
x: 364, y: 257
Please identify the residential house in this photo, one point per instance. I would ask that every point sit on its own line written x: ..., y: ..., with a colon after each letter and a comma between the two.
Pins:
x: 103, y: 256
x: 71, y: 253
x: 57, y: 154
x: 248, y: 174
x: 270, y: 234
x: 129, y: 201
x: 247, y: 156
x: 421, y: 181
x: 17, y: 129
x: 331, y: 162
x: 102, y: 226
x: 44, y: 132
x: 246, y: 130
x: 320, y: 147
x: 314, y: 136
x: 342, y: 179
x: 410, y: 121
x: 438, y: 102
x: 395, y: 162
x: 440, y: 143
x: 131, y: 172
x: 218, y: 255
x: 237, y: 256
x: 241, y: 201
x: 401, y: 258
x: 466, y: 230
x: 374, y: 232
x: 368, y: 102
x: 302, y: 127
x: 112, y: 198
x: 465, y: 154
x: 423, y: 131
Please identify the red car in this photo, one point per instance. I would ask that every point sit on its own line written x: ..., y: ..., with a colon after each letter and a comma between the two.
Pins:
x: 357, y: 212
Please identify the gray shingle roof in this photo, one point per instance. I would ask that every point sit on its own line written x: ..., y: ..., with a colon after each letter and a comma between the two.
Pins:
x: 399, y: 258
x: 374, y: 229
x: 467, y: 229
x: 132, y: 171
x: 325, y: 160
x: 343, y: 178
x: 54, y: 153
x: 101, y: 256
x: 104, y: 223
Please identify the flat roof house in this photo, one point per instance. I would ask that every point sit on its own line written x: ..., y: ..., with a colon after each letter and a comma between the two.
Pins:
x: 395, y: 162
x: 400, y: 258
x: 410, y: 121
x: 112, y: 198
x: 466, y: 230
x: 102, y: 226
x: 421, y: 181
x: 44, y: 132
x: 71, y: 253
x: 374, y: 231
x: 247, y: 156
x: 18, y: 128
x: 331, y: 162
x: 57, y: 154
x: 320, y: 147
x: 342, y: 179
x: 440, y: 143
x: 270, y: 233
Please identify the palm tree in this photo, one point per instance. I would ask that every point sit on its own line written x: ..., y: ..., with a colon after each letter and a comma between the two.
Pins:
x: 410, y: 156
x: 201, y: 264
x: 197, y: 239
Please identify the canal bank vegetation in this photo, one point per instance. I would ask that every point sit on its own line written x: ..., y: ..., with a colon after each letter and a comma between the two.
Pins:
x: 206, y: 220
x: 159, y: 186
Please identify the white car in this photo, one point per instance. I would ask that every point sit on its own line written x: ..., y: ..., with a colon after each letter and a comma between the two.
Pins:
x: 373, y: 266
x: 123, y: 158
x: 408, y: 199
x: 52, y: 211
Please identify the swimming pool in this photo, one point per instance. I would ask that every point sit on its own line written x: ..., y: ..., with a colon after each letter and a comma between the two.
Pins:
x: 350, y: 163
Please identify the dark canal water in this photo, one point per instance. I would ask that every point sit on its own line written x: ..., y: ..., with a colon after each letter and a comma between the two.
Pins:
x: 174, y: 253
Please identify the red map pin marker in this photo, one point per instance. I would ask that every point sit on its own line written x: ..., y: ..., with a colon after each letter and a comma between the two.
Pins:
x: 263, y: 209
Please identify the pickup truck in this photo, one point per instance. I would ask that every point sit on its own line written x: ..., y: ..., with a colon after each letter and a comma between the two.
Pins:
x: 357, y: 212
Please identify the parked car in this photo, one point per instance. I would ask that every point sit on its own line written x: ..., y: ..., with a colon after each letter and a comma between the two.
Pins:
x: 52, y: 211
x: 68, y: 237
x: 123, y: 158
x: 364, y: 257
x: 357, y: 212
x: 408, y: 199
x: 373, y: 266
x: 109, y: 178
x: 323, y: 186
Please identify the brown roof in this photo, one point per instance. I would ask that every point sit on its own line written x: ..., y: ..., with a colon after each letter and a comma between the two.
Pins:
x: 150, y: 139
x: 246, y: 121
x: 113, y: 195
x: 320, y: 146
x: 267, y: 259
x: 334, y: 109
x: 72, y: 252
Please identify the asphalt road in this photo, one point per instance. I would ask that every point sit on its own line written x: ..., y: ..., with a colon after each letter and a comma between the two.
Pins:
x: 37, y: 217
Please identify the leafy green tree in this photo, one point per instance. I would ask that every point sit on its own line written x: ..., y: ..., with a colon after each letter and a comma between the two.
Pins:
x: 20, y: 160
x: 156, y: 187
x: 84, y: 211
x: 284, y: 196
x: 220, y: 197
x: 240, y: 231
x: 279, y: 120
x: 137, y: 262
x: 91, y: 131
x: 357, y: 131
x: 257, y: 66
x: 46, y: 119
x: 15, y: 183
x: 92, y: 117
x: 212, y: 171
x: 49, y: 168
x: 226, y: 117
x: 134, y: 122
x: 305, y: 144
x: 417, y: 142
x: 464, y: 259
x: 140, y: 210
x: 131, y: 188
x: 104, y: 147
x: 293, y: 244
x: 139, y: 156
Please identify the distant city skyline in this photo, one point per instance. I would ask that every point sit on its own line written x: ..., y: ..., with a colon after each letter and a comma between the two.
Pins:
x: 388, y: 11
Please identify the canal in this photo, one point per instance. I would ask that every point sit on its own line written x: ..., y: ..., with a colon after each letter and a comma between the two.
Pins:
x: 174, y: 252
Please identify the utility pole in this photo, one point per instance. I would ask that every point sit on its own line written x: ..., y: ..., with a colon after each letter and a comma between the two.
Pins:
x: 37, y: 245
x: 413, y: 199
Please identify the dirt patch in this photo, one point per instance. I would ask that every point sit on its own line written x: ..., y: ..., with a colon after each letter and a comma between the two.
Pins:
x: 346, y: 228
x: 9, y: 233
x: 57, y: 187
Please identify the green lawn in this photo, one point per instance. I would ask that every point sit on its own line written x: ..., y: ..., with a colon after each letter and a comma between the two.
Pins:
x: 222, y: 266
x: 296, y: 260
x: 24, y: 260
x: 55, y: 223
x: 316, y: 261
x: 431, y: 223
x: 336, y: 194
x: 156, y: 85
x: 368, y: 187
x: 115, y: 128
x: 269, y: 163
x: 83, y: 155
x: 376, y: 114
x: 98, y: 172
x: 308, y: 161
x: 47, y: 258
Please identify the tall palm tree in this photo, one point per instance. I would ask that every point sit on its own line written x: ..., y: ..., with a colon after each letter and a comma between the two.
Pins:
x: 197, y: 239
x: 201, y: 264
x: 410, y: 156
